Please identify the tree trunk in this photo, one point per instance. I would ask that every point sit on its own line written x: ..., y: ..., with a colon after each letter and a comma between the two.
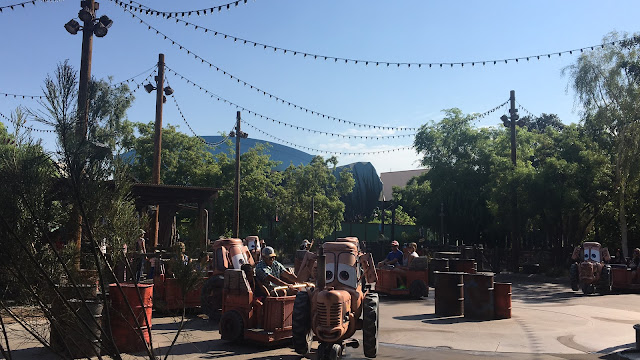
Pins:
x: 622, y: 217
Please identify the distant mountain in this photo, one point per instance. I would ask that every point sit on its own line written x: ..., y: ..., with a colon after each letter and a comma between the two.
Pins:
x: 281, y: 153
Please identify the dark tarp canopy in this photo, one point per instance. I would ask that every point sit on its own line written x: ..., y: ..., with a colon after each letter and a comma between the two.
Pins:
x: 366, y: 192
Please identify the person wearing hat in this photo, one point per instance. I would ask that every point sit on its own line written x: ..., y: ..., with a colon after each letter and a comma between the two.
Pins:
x: 272, y: 273
x: 394, y: 257
x: 305, y: 245
x: 141, y: 259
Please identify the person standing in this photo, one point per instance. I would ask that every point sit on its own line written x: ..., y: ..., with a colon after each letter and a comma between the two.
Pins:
x: 141, y: 258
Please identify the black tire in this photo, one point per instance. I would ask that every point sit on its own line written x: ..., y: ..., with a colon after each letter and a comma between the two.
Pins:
x: 301, y: 324
x: 370, y: 325
x: 323, y: 351
x: 604, y: 287
x: 231, y: 326
x: 211, y: 297
x: 587, y: 289
x: 335, y: 352
x: 573, y: 276
x: 418, y: 289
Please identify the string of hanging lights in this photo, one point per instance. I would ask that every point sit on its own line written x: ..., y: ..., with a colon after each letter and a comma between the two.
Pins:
x: 344, y: 60
x: 15, y: 124
x: 131, y: 79
x: 37, y: 97
x: 141, y: 8
x: 263, y: 92
x: 279, y: 122
x: 184, y: 119
x: 323, y: 151
x: 477, y: 116
x: 24, y: 4
x: 527, y: 112
x: 17, y: 96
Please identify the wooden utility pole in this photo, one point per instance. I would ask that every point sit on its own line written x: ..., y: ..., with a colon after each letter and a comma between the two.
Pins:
x: 83, y: 108
x: 157, y: 144
x: 236, y: 190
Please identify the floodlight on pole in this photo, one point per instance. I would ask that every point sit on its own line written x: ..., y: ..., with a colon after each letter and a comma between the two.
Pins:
x: 72, y: 27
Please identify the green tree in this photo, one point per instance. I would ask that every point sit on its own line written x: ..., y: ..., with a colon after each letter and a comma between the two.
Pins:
x: 302, y: 183
x: 458, y: 157
x: 609, y: 95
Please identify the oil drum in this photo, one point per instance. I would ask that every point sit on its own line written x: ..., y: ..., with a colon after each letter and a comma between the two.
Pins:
x: 441, y: 265
x: 449, y: 293
x: 76, y: 329
x: 478, y: 296
x: 463, y: 265
x: 125, y: 326
x: 502, y: 299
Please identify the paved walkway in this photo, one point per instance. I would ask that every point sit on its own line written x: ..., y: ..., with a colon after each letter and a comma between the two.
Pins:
x: 549, y: 322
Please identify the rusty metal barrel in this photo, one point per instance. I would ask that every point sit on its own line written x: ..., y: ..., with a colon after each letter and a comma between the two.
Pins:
x: 463, y: 265
x: 449, y: 293
x: 75, y: 330
x: 502, y: 300
x: 478, y: 296
x: 441, y: 265
x: 125, y: 326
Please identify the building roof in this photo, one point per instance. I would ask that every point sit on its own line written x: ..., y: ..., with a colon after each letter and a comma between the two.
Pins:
x: 396, y: 178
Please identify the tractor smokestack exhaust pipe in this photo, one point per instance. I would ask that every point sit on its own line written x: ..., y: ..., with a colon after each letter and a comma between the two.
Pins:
x: 322, y: 269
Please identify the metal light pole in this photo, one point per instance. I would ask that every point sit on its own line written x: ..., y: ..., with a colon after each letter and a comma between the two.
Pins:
x: 238, y: 134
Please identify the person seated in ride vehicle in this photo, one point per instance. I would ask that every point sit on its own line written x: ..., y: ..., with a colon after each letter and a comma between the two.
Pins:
x: 395, y: 256
x: 272, y: 273
x: 409, y: 254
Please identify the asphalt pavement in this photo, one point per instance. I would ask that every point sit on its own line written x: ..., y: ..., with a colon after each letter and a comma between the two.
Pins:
x: 549, y: 321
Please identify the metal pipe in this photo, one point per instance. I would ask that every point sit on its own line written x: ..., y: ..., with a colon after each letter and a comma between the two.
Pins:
x: 321, y: 282
x: 637, y: 328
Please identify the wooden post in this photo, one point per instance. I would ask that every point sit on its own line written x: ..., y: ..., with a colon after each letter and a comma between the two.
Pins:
x: 157, y: 145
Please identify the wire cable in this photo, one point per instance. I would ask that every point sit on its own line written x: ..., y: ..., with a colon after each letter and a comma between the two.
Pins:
x: 263, y: 92
x: 23, y: 4
x: 323, y: 151
x: 149, y: 11
x: 344, y: 60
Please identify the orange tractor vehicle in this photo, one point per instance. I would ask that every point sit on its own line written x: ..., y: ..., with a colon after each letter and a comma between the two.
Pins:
x: 590, y: 272
x: 227, y: 254
x: 246, y: 316
x: 341, y: 302
x: 411, y: 281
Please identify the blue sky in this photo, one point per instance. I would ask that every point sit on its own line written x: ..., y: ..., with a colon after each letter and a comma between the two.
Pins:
x: 33, y: 41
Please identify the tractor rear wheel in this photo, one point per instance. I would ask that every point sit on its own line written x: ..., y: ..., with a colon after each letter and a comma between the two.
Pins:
x: 370, y: 325
x: 231, y: 326
x: 301, y: 324
x: 211, y: 297
x: 418, y: 289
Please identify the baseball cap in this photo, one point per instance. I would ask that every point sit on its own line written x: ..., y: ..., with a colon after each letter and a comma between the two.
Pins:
x: 268, y: 252
x: 394, y: 243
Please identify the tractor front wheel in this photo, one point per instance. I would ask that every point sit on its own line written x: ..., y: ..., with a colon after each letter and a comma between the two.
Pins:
x: 211, y: 297
x: 573, y: 276
x: 301, y: 323
x: 587, y: 289
x: 335, y: 352
x: 370, y: 325
x: 231, y: 326
x: 605, y: 281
